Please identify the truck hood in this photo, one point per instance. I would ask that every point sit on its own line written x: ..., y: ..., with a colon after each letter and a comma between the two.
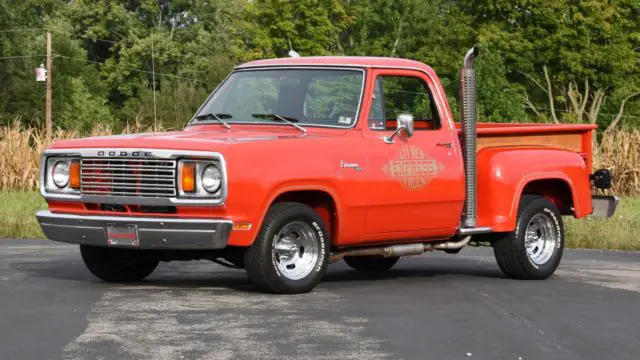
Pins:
x: 203, y: 138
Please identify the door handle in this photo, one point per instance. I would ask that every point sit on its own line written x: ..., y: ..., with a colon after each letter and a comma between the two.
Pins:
x: 447, y: 144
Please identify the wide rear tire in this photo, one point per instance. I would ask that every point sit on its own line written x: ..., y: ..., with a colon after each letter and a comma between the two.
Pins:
x: 534, y: 250
x: 291, y: 253
x: 117, y: 265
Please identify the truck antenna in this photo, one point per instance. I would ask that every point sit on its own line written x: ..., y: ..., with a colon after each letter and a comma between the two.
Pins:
x: 292, y: 53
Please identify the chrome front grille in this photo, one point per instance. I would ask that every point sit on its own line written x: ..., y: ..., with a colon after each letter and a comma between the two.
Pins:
x: 128, y: 177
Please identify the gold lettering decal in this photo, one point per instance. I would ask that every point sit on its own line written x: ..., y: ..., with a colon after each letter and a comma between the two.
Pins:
x: 412, y: 168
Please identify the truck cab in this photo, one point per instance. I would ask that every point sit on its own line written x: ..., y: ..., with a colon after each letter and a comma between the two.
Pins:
x: 291, y: 164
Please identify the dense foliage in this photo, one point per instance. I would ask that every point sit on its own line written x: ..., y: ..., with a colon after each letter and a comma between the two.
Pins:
x: 542, y: 60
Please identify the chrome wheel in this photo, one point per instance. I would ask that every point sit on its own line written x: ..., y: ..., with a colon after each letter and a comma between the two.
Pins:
x: 540, y: 239
x: 295, y: 250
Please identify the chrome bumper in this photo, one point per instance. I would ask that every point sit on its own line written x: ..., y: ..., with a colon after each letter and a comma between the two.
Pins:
x: 152, y: 233
x: 604, y: 206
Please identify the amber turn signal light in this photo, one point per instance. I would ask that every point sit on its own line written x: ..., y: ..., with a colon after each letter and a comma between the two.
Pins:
x: 74, y: 175
x: 242, y: 226
x: 188, y: 177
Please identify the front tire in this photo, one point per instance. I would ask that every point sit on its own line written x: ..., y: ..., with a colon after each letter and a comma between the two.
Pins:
x: 291, y: 253
x: 117, y: 265
x: 534, y: 250
x: 371, y: 263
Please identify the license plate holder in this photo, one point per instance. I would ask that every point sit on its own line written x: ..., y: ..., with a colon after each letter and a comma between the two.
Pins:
x: 122, y: 235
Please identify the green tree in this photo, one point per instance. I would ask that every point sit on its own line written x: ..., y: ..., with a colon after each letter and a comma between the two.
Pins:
x: 572, y: 55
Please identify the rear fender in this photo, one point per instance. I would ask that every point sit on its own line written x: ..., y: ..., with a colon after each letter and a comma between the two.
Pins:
x: 504, y: 174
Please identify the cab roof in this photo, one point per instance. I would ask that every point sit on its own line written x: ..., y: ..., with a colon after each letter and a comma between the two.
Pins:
x: 340, y: 61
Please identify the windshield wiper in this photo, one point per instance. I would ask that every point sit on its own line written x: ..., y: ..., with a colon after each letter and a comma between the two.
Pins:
x: 217, y: 117
x: 276, y: 116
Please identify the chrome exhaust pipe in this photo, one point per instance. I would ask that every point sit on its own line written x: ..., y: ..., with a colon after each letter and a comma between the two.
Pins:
x: 401, y: 249
x: 384, y: 251
x: 468, y: 98
x: 452, y: 245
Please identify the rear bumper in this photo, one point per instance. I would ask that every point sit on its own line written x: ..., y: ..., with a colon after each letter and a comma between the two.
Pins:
x: 604, y: 206
x: 160, y: 233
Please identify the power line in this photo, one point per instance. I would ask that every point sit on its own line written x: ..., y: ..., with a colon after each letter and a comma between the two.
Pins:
x: 128, y: 68
x: 21, y: 57
x: 600, y: 113
x: 59, y: 31
x: 90, y: 37
x: 125, y: 42
x: 21, y: 30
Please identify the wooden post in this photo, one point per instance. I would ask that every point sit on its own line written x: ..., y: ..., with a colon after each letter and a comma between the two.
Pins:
x: 48, y: 123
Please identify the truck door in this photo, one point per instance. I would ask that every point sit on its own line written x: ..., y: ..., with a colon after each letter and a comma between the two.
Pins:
x: 413, y: 187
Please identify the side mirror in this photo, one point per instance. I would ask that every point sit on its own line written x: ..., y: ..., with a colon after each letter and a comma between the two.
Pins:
x: 405, y: 124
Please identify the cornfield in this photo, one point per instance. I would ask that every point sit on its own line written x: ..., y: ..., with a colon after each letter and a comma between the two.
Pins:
x: 619, y: 151
x: 20, y: 149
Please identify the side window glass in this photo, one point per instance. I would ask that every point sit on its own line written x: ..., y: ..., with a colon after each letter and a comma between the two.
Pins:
x: 403, y: 94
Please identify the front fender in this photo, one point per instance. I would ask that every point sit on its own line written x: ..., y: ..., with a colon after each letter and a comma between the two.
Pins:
x: 259, y: 174
x: 503, y: 174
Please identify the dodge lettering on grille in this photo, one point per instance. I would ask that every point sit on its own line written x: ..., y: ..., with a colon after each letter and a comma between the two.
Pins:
x: 125, y: 153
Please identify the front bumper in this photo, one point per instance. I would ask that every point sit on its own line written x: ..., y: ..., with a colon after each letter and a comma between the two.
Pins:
x: 159, y: 233
x: 604, y: 206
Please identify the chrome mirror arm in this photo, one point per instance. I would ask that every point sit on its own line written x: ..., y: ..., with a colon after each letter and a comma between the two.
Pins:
x: 389, y: 139
x: 405, y: 123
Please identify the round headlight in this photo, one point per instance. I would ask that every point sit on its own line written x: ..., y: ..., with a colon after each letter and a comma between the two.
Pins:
x: 60, y: 173
x: 211, y: 178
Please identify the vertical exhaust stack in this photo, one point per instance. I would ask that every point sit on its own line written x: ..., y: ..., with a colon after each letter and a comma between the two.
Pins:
x: 468, y: 98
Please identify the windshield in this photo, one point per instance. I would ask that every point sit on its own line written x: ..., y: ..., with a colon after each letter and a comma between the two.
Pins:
x: 322, y: 97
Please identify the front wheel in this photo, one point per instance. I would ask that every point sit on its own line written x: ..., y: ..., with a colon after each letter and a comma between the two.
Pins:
x: 533, y: 251
x: 291, y: 253
x: 117, y: 265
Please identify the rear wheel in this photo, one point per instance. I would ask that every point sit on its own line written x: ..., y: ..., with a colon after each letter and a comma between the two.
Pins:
x: 291, y: 253
x: 371, y: 263
x: 534, y: 250
x: 117, y: 265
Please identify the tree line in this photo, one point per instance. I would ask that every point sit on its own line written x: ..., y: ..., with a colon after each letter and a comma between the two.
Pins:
x: 562, y: 61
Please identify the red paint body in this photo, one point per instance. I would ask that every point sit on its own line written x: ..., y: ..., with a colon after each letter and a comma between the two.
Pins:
x: 271, y: 161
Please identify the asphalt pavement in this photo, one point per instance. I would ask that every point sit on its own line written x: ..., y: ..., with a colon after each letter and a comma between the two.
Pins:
x: 435, y: 306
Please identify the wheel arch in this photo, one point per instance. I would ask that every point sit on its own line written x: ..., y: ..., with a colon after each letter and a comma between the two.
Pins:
x: 323, y: 200
x: 555, y: 187
x: 557, y: 190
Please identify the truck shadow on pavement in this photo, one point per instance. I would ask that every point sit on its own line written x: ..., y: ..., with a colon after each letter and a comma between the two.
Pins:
x: 201, y: 275
x: 421, y: 273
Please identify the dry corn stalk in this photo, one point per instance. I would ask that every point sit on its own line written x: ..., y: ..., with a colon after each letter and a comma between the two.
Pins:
x: 20, y: 150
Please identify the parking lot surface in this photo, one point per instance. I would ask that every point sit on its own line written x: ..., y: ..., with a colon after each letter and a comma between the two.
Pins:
x: 435, y: 306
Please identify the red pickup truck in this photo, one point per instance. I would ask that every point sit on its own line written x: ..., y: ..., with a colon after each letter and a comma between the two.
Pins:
x: 294, y: 163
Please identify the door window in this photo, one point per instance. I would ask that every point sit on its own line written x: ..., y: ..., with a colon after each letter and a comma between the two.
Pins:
x: 394, y: 95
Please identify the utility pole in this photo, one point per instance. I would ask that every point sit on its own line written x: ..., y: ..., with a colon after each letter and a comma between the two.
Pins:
x: 153, y: 72
x: 48, y: 123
